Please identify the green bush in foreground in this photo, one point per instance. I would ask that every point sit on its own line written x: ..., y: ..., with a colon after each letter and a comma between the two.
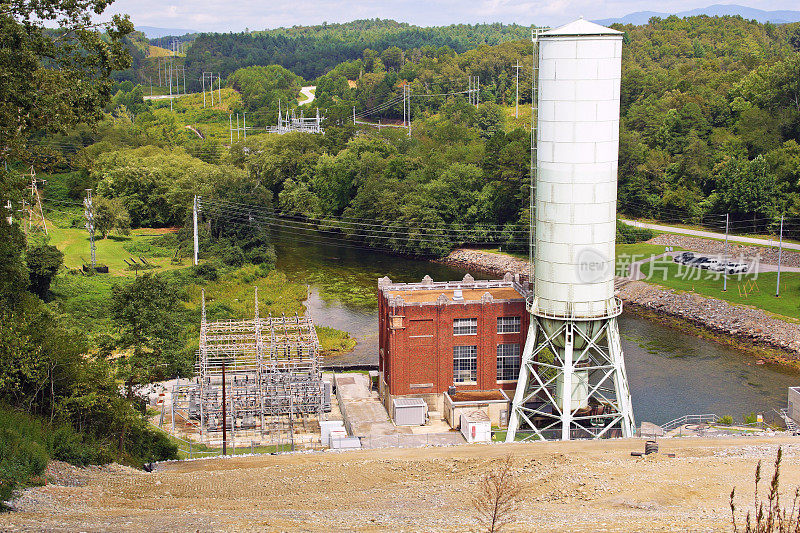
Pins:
x: 23, y: 452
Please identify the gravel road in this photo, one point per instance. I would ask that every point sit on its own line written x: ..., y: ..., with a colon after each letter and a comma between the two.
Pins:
x: 575, y: 486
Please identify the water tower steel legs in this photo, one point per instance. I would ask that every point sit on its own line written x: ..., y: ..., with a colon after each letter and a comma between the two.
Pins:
x: 581, y: 362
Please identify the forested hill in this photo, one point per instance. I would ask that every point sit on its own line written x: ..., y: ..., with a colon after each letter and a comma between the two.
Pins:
x: 311, y: 51
x: 710, y: 120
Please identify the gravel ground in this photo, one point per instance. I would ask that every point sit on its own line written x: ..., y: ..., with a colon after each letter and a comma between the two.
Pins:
x: 577, y: 486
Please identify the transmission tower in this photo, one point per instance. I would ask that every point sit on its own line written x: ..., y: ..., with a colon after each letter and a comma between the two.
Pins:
x: 89, y: 213
x: 35, y: 211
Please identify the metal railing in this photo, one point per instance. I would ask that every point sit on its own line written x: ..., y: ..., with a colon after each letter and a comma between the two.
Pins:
x: 709, y: 418
x: 791, y: 425
x: 613, y: 308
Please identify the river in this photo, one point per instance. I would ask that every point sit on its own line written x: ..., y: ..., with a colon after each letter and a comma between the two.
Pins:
x: 671, y: 373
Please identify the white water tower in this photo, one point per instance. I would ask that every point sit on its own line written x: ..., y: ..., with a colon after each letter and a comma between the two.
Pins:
x: 572, y: 380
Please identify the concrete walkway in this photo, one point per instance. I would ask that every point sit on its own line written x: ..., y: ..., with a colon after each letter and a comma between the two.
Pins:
x: 709, y: 234
x: 366, y: 418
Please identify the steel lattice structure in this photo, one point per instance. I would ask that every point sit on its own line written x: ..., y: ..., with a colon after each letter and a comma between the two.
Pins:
x: 272, y: 375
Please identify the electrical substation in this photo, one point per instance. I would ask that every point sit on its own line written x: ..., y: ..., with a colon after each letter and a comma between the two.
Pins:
x: 257, y: 379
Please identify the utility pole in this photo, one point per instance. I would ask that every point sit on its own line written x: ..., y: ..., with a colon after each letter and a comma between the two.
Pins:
x: 725, y: 258
x: 224, y: 416
x: 244, y: 123
x: 10, y: 217
x: 478, y: 94
x: 219, y: 79
x: 89, y: 213
x: 211, y: 75
x: 405, y: 87
x: 354, y: 115
x: 516, y: 102
x: 780, y: 250
x: 158, y: 67
x: 204, y: 89
x: 409, y: 110
x: 237, y: 126
x: 196, y: 237
x: 230, y: 126
x: 183, y: 69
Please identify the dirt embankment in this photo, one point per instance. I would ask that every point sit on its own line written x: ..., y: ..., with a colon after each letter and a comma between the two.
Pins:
x: 750, y: 328
x: 574, y: 486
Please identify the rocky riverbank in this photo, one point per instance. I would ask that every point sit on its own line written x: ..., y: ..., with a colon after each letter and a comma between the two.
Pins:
x: 748, y: 328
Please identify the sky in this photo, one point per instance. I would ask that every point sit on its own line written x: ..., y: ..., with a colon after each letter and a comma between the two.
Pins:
x: 224, y: 16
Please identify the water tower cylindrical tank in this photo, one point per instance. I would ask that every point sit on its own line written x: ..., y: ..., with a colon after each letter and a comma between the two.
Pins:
x: 577, y: 155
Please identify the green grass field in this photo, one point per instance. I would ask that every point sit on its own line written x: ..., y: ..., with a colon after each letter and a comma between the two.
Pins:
x: 752, y: 290
x: 86, y: 298
x: 111, y: 251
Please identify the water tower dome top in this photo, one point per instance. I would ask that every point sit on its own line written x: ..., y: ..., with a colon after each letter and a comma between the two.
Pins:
x: 580, y: 27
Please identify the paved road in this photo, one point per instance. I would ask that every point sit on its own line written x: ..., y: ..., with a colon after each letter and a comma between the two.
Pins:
x: 306, y: 91
x: 710, y: 234
x: 635, y: 268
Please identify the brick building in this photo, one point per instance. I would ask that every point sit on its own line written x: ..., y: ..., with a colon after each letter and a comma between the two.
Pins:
x: 434, y: 335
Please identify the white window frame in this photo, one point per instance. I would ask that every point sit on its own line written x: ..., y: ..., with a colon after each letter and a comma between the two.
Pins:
x: 504, y: 357
x: 472, y: 324
x: 504, y: 325
x: 472, y: 362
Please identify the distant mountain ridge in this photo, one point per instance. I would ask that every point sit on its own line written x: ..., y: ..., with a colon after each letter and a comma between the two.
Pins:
x: 749, y: 13
x: 153, y: 32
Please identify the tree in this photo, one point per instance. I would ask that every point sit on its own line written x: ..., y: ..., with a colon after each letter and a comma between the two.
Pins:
x: 54, y: 79
x: 499, y: 497
x: 43, y: 263
x: 13, y: 272
x: 109, y: 213
x: 794, y: 39
x: 145, y: 312
x: 748, y: 188
x: 392, y: 58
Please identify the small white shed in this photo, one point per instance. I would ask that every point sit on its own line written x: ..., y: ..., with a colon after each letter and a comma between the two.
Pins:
x: 409, y: 411
x: 476, y: 426
x: 328, y: 426
x: 794, y: 404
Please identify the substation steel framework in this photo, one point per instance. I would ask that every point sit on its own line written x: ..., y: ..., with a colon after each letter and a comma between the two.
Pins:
x: 272, y: 374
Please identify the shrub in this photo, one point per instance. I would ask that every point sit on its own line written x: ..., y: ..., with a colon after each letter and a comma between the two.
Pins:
x: 630, y: 235
x: 206, y: 271
x: 726, y: 420
x: 23, y: 453
x: 69, y: 446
